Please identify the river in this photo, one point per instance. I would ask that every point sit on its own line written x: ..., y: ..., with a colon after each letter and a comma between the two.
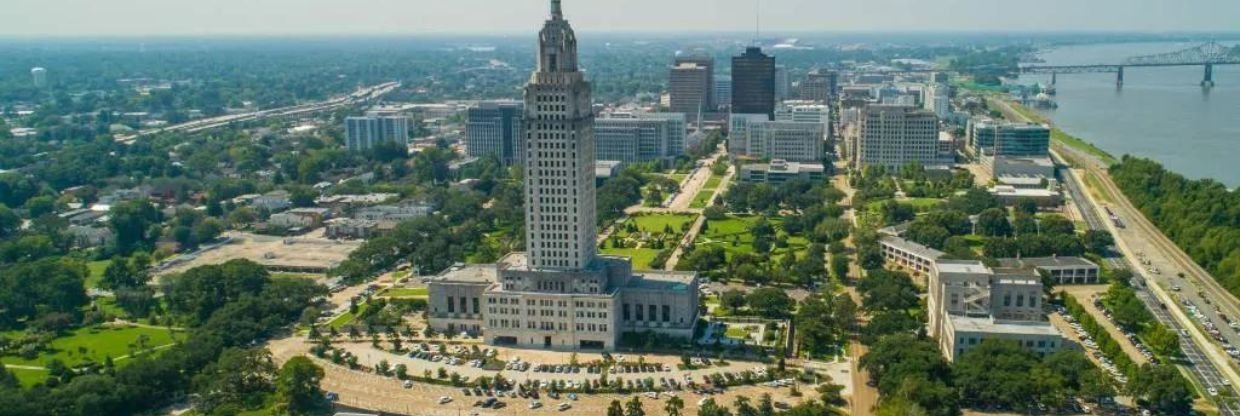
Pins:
x: 1160, y: 113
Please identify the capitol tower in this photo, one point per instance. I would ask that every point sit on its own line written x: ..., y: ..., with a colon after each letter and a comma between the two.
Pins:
x: 560, y: 294
x: 559, y: 145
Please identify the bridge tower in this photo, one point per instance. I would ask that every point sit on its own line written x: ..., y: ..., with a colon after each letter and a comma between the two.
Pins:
x: 1053, y: 76
x: 1208, y: 81
x: 1119, y: 77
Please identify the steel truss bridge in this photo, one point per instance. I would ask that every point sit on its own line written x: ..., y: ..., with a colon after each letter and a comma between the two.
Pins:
x: 1207, y: 56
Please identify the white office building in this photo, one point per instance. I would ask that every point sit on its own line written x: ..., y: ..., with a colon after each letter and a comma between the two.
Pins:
x: 364, y: 132
x: 893, y: 135
x: 752, y: 135
x: 640, y: 137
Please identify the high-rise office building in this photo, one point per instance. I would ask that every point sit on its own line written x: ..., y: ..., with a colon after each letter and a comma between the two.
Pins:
x: 820, y: 86
x: 783, y: 84
x: 753, y: 83
x: 935, y: 98
x: 493, y: 128
x: 363, y: 133
x: 560, y: 294
x: 992, y: 138
x: 39, y: 75
x: 893, y: 135
x: 723, y: 93
x: 691, y: 84
x: 642, y: 137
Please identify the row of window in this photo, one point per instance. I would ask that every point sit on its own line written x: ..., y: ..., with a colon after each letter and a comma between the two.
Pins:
x: 463, y: 302
x: 652, y: 311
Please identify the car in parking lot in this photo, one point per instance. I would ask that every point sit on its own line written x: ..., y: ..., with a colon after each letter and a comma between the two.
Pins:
x: 444, y: 399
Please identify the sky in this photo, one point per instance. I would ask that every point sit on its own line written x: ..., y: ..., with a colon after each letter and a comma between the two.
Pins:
x: 61, y: 18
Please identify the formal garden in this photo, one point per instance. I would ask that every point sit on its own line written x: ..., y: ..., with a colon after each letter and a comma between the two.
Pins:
x: 644, y: 237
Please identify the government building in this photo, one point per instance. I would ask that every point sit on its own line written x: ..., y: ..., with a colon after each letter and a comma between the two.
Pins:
x: 560, y: 294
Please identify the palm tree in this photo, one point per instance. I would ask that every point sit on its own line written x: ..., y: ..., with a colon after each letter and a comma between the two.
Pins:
x: 614, y: 409
x: 674, y: 406
x: 634, y: 407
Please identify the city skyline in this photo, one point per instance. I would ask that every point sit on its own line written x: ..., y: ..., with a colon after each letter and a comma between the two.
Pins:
x: 31, y: 18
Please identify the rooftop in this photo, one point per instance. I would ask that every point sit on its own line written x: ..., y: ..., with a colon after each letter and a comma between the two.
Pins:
x: 994, y: 326
x: 1047, y: 262
x: 961, y: 266
x: 656, y: 280
x: 473, y: 273
x: 911, y: 247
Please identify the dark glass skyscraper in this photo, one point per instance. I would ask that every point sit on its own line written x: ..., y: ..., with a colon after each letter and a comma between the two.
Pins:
x: 753, y: 83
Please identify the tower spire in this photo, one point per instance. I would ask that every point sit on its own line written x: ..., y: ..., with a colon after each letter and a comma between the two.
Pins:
x: 556, y: 11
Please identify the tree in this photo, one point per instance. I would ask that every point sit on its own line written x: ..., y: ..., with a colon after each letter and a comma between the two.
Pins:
x: 118, y: 275
x: 241, y: 377
x: 1027, y: 206
x: 883, y: 290
x: 297, y: 386
x: 927, y: 234
x: 674, y: 406
x: 993, y: 222
x: 9, y: 222
x: 634, y: 407
x: 135, y: 224
x: 710, y: 408
x: 998, y: 373
x: 732, y: 299
x: 1164, y: 388
x: 743, y: 408
x: 765, y: 406
x: 769, y: 302
x: 615, y: 409
x: 1098, y: 241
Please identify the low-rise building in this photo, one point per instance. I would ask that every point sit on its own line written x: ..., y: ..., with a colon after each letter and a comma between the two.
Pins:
x: 969, y: 302
x: 1010, y: 195
x: 355, y: 229
x: 299, y: 218
x: 914, y: 257
x: 394, y: 213
x: 780, y: 171
x: 87, y: 236
x: 1061, y: 270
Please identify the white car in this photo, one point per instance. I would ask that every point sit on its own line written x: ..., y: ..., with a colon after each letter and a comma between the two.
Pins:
x: 408, y: 384
x: 444, y: 399
x: 565, y: 406
x: 1212, y: 391
x: 535, y: 404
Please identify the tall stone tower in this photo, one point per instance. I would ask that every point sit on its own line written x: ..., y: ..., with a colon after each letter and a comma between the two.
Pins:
x: 559, y: 173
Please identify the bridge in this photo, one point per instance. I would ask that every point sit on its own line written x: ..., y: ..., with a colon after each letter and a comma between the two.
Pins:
x: 1207, y: 55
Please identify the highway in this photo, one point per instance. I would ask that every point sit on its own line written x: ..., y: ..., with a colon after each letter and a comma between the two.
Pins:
x: 361, y: 95
x: 1199, y: 364
x: 1140, y: 241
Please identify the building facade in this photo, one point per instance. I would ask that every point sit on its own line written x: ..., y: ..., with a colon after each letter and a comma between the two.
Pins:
x: 39, y: 75
x: 691, y: 85
x: 494, y: 128
x: 363, y: 133
x: 560, y: 294
x: 753, y: 83
x: 753, y: 136
x: 643, y: 137
x: 991, y: 138
x: 780, y: 171
x: 893, y: 135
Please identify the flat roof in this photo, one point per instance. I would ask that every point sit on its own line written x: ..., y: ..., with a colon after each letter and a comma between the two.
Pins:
x: 993, y: 326
x: 656, y: 280
x: 1047, y: 262
x: 961, y: 266
x: 911, y: 247
x: 473, y: 273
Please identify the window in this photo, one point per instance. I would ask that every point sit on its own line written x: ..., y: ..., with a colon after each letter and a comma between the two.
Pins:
x: 451, y: 308
x: 626, y: 311
x: 653, y: 313
x: 639, y: 313
x: 667, y: 313
x: 476, y: 309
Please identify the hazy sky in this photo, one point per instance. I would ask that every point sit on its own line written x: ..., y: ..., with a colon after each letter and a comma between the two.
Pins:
x: 208, y: 17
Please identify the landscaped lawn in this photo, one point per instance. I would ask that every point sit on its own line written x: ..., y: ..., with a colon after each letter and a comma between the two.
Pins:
x: 713, y: 182
x: 678, y: 177
x: 656, y: 223
x: 96, y: 269
x: 702, y: 199
x: 737, y: 331
x: 736, y: 227
x: 345, y: 318
x: 922, y: 204
x: 96, y: 344
x: 641, y: 256
x: 403, y: 292
x: 28, y: 378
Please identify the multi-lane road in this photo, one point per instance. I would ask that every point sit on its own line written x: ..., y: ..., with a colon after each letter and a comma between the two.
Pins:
x: 359, y: 96
x: 1199, y: 364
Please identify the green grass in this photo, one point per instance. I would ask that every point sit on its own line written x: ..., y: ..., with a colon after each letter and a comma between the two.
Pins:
x: 29, y: 378
x: 702, y: 199
x: 921, y: 204
x: 713, y: 182
x: 96, y: 269
x: 657, y: 223
x: 722, y: 233
x: 416, y: 292
x: 345, y: 318
x: 95, y: 344
x: 292, y: 276
x: 641, y: 256
x: 736, y: 331
x: 678, y: 177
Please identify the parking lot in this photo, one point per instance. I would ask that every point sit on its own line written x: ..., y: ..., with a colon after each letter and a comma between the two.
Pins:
x: 310, y: 253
